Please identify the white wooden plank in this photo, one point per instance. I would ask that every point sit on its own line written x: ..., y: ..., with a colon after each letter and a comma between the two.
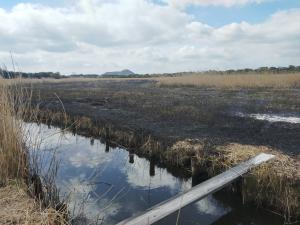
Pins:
x: 198, y: 192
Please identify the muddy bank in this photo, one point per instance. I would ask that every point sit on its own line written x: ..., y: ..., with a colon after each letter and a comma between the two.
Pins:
x: 175, y: 125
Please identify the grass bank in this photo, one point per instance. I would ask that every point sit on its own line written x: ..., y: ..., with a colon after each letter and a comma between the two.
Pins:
x: 21, y: 190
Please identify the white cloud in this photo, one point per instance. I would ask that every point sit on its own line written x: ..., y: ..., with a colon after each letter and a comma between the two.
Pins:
x: 211, y: 206
x: 82, y: 197
x: 227, y: 3
x: 138, y: 177
x: 94, y: 36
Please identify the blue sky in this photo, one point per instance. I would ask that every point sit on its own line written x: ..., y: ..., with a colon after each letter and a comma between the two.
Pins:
x: 7, y: 4
x: 149, y: 36
x: 252, y: 13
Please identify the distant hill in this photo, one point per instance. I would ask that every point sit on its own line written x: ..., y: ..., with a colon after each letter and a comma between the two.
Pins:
x: 119, y: 73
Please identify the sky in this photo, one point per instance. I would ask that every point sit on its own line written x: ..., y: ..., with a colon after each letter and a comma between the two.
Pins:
x: 148, y: 36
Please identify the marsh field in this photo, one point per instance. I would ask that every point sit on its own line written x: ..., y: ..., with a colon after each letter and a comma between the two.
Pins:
x: 100, y: 150
x: 129, y: 110
x: 216, y: 120
x: 179, y: 108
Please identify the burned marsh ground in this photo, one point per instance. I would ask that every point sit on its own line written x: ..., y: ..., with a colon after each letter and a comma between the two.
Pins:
x: 177, y: 113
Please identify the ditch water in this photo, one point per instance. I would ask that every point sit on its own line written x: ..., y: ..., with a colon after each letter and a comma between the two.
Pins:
x: 109, y: 184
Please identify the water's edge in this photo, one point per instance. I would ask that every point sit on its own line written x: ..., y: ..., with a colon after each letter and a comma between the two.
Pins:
x: 91, y: 169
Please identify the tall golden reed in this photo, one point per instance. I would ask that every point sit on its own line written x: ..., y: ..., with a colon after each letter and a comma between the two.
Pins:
x: 13, y: 156
x: 15, y: 105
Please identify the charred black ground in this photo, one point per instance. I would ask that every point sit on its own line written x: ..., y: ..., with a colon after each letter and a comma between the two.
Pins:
x: 177, y: 113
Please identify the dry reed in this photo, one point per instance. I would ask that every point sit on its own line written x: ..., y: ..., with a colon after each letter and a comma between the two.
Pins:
x: 13, y: 156
x: 233, y: 81
x: 275, y: 184
x: 15, y: 165
x: 17, y: 207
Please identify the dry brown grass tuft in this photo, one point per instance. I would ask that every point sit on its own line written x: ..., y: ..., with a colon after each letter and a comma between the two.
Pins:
x: 233, y: 81
x: 18, y: 208
x: 275, y: 184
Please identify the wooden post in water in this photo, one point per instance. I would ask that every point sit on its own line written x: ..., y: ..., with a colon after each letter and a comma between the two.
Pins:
x: 196, y: 193
x: 197, y: 173
x: 152, y: 168
x: 107, y: 146
x: 106, y: 133
x: 92, y: 141
x: 194, y: 167
x: 106, y: 139
x: 131, y: 158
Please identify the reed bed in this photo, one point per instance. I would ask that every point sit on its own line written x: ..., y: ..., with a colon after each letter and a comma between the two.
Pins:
x: 16, y: 205
x: 13, y: 155
x: 232, y: 81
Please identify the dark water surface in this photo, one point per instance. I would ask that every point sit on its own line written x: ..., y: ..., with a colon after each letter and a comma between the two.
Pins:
x: 109, y: 184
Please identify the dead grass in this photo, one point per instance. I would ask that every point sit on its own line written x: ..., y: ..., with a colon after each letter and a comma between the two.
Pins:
x: 17, y: 207
x: 196, y: 80
x: 13, y: 156
x: 68, y: 80
x: 233, y: 81
x: 275, y: 184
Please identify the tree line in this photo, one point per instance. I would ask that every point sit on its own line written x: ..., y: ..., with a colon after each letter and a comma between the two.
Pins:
x: 56, y: 75
x: 11, y: 74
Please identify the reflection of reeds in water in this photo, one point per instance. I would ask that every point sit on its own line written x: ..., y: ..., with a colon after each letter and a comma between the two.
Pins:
x: 18, y: 169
